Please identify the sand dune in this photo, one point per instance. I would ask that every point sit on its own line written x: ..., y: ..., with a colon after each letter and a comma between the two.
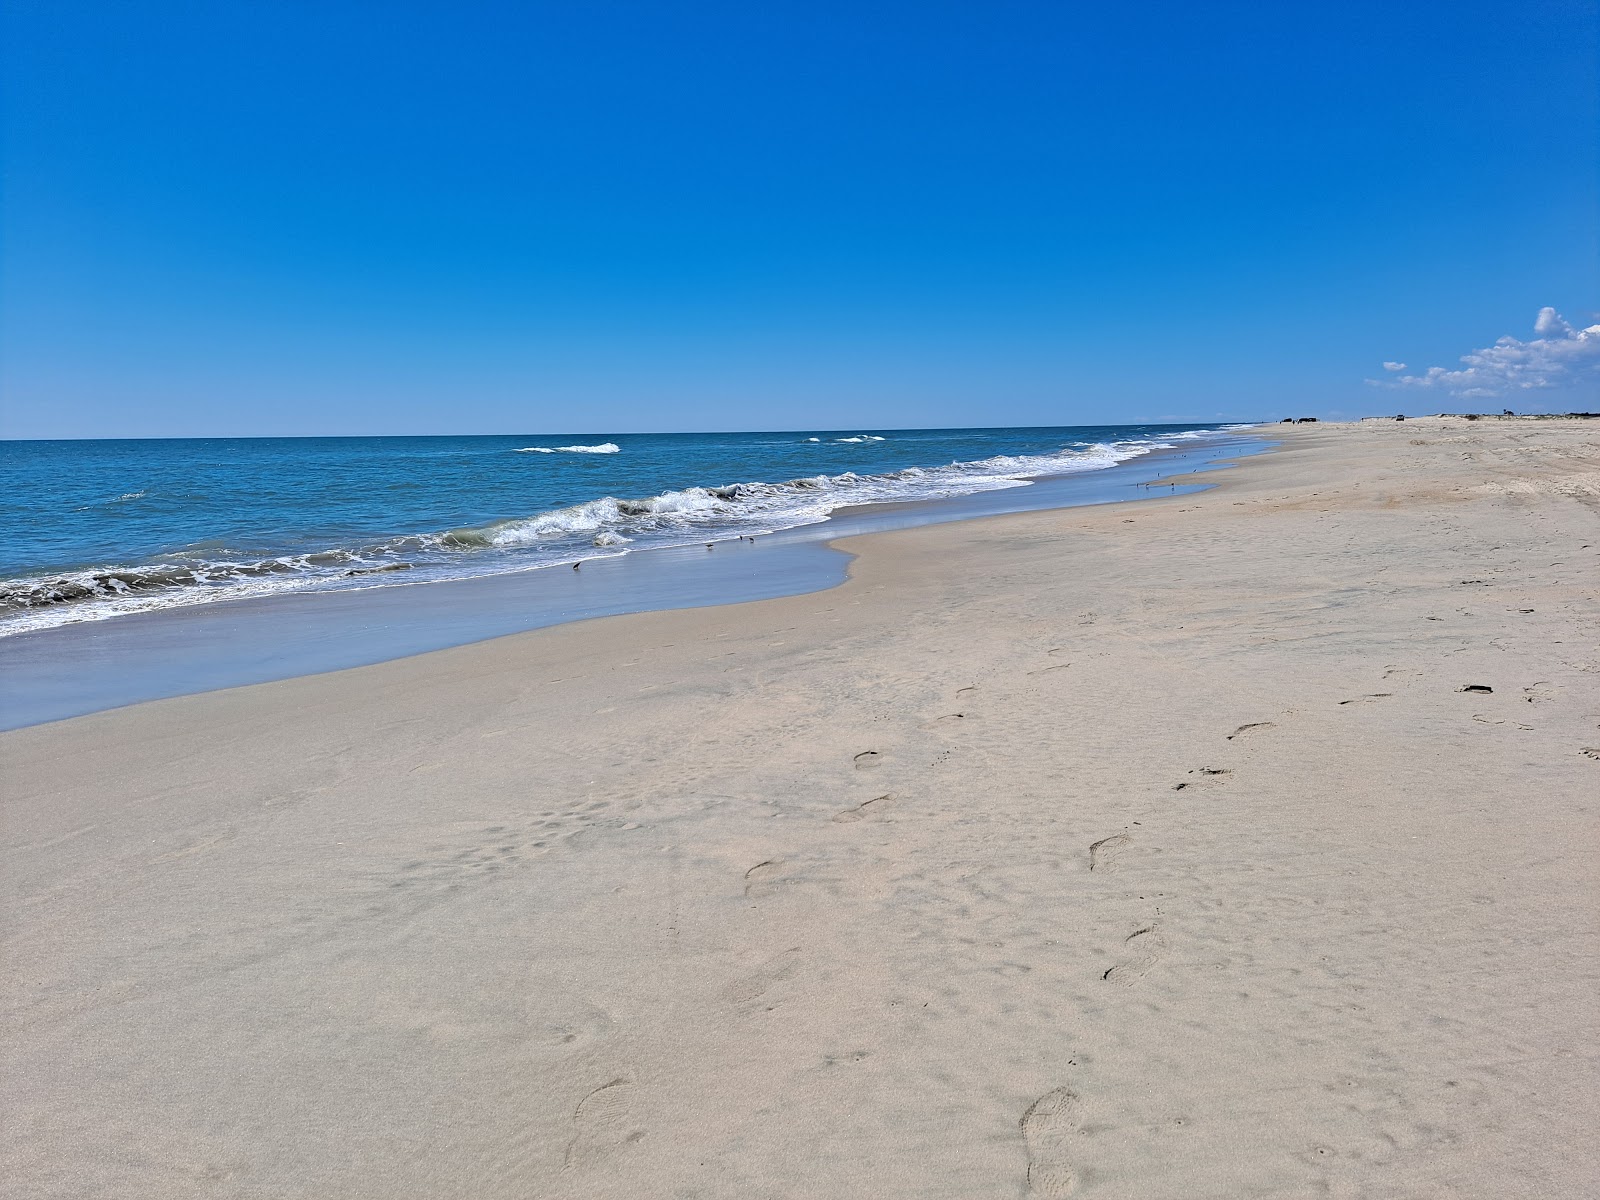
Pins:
x: 1149, y: 851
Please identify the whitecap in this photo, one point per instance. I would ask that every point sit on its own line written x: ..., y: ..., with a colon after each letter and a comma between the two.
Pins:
x: 681, y: 517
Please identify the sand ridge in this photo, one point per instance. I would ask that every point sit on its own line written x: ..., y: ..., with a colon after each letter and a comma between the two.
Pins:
x: 1144, y: 851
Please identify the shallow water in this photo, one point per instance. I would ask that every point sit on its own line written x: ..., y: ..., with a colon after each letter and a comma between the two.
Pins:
x: 100, y: 529
x: 84, y: 667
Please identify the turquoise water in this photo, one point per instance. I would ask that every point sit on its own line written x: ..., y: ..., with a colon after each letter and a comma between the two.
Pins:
x: 100, y: 529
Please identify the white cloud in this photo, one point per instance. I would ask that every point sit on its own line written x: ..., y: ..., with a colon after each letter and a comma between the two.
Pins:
x: 1559, y: 357
x: 1549, y: 321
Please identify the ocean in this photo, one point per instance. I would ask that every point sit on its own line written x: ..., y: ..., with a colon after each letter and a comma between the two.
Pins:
x: 107, y: 529
x: 138, y: 570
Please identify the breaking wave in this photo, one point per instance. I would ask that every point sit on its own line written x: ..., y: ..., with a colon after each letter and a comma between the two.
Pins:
x: 738, y: 509
x: 593, y: 528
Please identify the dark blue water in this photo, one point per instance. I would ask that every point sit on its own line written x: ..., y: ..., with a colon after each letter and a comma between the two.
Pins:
x: 97, y: 529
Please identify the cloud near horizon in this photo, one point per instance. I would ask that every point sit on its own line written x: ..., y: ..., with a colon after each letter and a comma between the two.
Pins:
x: 1558, y: 356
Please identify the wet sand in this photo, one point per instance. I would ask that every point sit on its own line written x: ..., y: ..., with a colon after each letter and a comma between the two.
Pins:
x: 91, y: 666
x: 1151, y: 851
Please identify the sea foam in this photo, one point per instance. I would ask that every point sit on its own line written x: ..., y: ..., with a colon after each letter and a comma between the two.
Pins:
x: 591, y: 528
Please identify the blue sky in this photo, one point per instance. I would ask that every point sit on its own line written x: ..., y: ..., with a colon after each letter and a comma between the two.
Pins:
x: 336, y: 217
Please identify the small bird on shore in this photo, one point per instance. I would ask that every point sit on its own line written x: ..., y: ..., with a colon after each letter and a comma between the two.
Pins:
x: 711, y: 545
x: 576, y: 565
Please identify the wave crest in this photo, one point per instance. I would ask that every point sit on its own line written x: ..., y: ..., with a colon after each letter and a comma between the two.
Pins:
x: 741, y: 508
x: 604, y: 524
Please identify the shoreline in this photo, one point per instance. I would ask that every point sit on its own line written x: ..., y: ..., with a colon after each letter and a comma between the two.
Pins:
x: 470, y: 541
x: 94, y: 666
x: 1136, y: 850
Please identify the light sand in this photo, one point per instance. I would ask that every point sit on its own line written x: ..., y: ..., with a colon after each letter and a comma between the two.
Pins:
x: 1149, y: 851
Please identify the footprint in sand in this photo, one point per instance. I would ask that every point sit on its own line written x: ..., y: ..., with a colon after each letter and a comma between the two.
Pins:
x: 1205, y: 774
x: 1591, y: 752
x: 754, y: 985
x: 1103, y: 854
x: 1253, y: 727
x: 765, y: 878
x: 868, y: 758
x: 1364, y: 699
x: 864, y: 809
x: 601, y: 1120
x: 1047, y: 1130
x: 1144, y: 946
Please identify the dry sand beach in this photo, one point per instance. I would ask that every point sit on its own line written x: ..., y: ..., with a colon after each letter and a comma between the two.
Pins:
x: 1150, y: 851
